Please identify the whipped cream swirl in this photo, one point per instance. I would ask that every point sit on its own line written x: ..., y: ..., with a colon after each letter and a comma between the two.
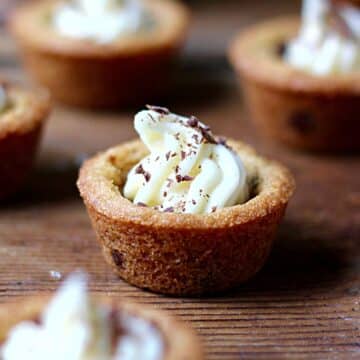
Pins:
x: 329, y: 39
x: 100, y: 20
x: 188, y: 170
x: 73, y: 327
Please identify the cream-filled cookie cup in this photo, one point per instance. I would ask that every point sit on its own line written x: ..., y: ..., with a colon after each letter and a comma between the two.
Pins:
x: 183, y: 254
x: 293, y: 105
x: 132, y: 68
x: 22, y: 118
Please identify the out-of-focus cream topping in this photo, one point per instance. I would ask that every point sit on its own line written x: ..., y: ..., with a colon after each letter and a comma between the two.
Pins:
x: 329, y: 39
x: 73, y: 327
x: 3, y: 99
x: 100, y: 20
x: 188, y: 170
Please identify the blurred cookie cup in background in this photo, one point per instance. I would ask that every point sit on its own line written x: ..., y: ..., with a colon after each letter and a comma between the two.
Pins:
x: 301, y: 79
x: 22, y: 116
x: 75, y: 325
x: 101, y: 53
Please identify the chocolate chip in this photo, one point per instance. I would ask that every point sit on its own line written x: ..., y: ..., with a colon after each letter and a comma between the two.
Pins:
x: 280, y: 49
x: 117, y: 257
x: 302, y: 122
x: 112, y: 159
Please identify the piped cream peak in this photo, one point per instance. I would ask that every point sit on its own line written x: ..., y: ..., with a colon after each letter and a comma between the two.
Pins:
x: 188, y: 169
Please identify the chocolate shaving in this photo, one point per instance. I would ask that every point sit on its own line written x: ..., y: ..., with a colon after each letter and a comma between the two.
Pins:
x: 141, y: 204
x: 222, y: 141
x: 196, y: 138
x: 158, y: 109
x: 193, y: 121
x: 169, y: 209
x: 151, y: 117
x: 205, y: 132
x: 117, y: 329
x: 140, y: 170
x: 213, y: 209
x: 339, y: 23
x: 183, y: 155
x: 180, y: 178
x: 167, y: 155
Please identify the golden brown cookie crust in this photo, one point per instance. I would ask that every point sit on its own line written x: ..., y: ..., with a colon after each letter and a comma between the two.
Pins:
x: 20, y: 130
x: 133, y: 69
x: 180, y: 340
x: 293, y: 106
x: 183, y: 254
x: 26, y: 110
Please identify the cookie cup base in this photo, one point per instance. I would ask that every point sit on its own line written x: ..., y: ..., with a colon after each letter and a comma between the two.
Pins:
x: 20, y: 132
x: 305, y: 111
x: 182, y: 254
x: 180, y: 341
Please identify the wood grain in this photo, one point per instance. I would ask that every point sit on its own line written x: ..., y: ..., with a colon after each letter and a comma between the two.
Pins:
x: 305, y: 302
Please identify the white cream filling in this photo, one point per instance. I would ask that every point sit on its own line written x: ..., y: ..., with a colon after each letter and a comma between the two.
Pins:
x: 329, y: 39
x: 100, y: 20
x: 3, y: 99
x: 140, y: 341
x: 72, y: 327
x: 187, y: 170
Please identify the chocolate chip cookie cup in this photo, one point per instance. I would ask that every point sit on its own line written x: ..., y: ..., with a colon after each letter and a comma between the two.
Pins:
x: 21, y: 121
x: 183, y: 254
x: 116, y: 72
x: 292, y: 106
x: 118, y: 330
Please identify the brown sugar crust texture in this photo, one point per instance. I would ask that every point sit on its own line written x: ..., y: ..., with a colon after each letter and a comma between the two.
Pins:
x: 180, y: 341
x: 292, y: 106
x: 183, y: 254
x: 21, y: 124
x: 133, y: 69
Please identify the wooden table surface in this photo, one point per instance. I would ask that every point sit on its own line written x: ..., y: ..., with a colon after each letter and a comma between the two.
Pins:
x: 303, y: 305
